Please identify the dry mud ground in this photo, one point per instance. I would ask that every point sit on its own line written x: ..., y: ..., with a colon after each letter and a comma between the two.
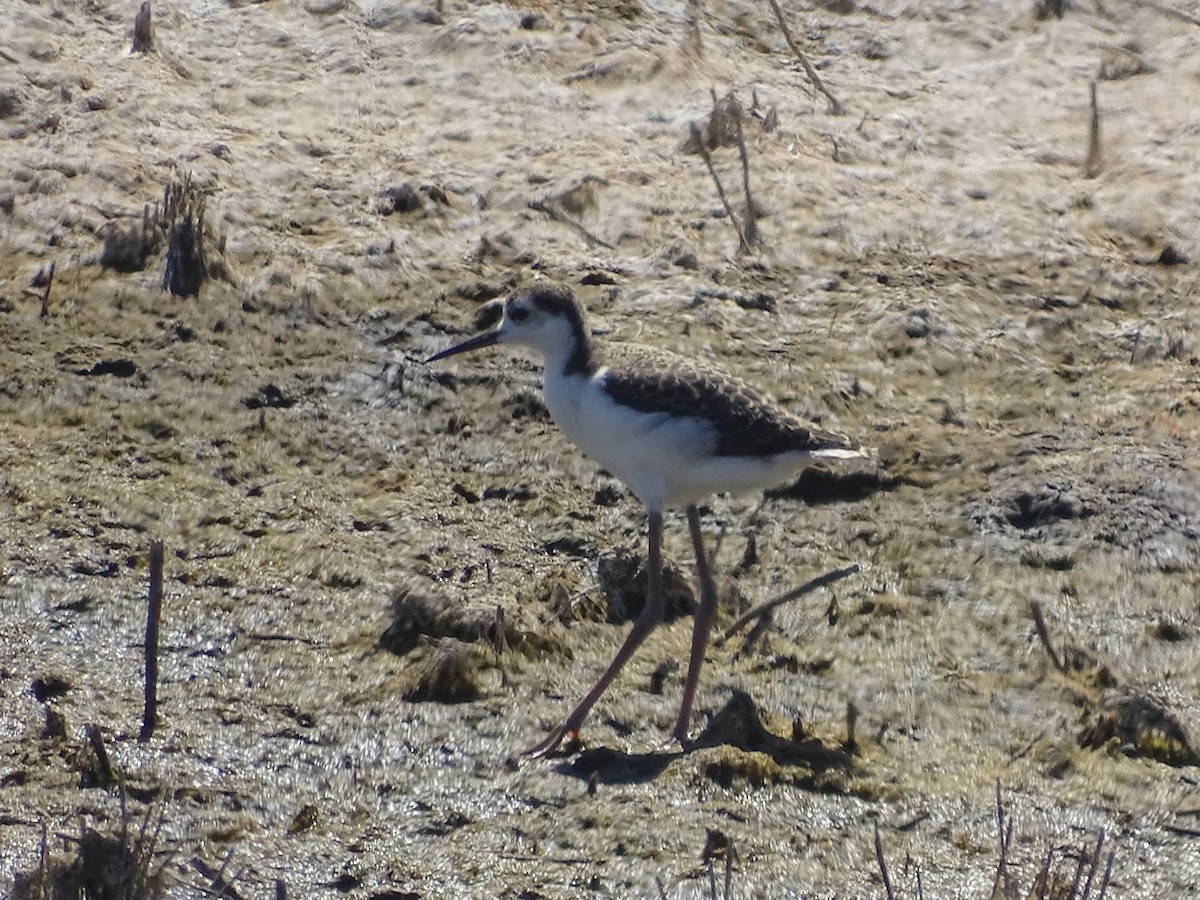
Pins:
x: 944, y: 280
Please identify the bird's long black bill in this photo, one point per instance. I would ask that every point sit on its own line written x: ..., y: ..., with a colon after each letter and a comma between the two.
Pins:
x: 486, y: 339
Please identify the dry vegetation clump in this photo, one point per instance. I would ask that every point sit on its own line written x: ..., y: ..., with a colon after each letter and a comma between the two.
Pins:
x: 127, y: 865
x: 623, y: 578
x: 1060, y: 874
x: 448, y: 673
x: 1114, y: 713
x: 193, y: 252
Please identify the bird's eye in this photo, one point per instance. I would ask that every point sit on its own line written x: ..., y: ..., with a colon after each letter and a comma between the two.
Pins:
x: 517, y: 314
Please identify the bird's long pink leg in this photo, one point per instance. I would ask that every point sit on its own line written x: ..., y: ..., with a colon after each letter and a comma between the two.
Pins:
x: 706, y: 613
x: 652, y: 614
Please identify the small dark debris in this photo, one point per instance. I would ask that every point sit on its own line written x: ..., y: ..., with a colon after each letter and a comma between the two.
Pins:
x: 1034, y: 508
x: 83, y: 604
x: 395, y: 895
x: 663, y: 671
x: 158, y: 429
x: 570, y: 545
x: 345, y: 883
x: 466, y: 493
x: 10, y: 102
x: 481, y: 292
x: 436, y: 193
x: 305, y: 819
x: 1171, y: 257
x: 120, y: 368
x: 361, y: 525
x: 528, y: 404
x: 49, y: 687
x: 102, y: 569
x: 399, y: 198
x: 268, y: 396
x: 1171, y: 632
x: 720, y: 129
x: 55, y: 727
x: 1044, y: 9
x: 529, y: 21
x: 519, y: 494
x: 759, y: 300
x: 607, y: 495
x: 342, y: 581
x: 446, y: 823
x: 917, y: 323
x: 685, y: 259
x: 594, y: 278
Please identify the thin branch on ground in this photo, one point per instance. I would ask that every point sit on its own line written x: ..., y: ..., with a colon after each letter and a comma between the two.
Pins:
x: 698, y: 139
x: 153, y: 614
x: 883, y: 869
x: 752, y: 235
x: 1043, y: 633
x: 1169, y: 11
x: 835, y: 107
x: 807, y: 588
x: 559, y: 216
x: 1095, y: 159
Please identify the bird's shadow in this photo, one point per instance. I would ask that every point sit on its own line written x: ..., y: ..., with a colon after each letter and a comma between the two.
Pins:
x: 737, y: 724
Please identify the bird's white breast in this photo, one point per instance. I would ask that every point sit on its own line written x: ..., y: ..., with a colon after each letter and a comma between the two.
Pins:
x: 667, y: 461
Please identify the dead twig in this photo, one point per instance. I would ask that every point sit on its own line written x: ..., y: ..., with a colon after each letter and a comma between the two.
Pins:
x: 691, y: 35
x: 851, y: 745
x: 1043, y: 633
x: 558, y: 215
x: 1094, y: 161
x: 153, y: 614
x: 698, y: 139
x: 835, y: 108
x: 752, y: 212
x: 44, y: 279
x: 1002, y: 886
x: 1169, y: 11
x: 219, y: 885
x: 883, y: 869
x: 719, y: 845
x: 143, y: 30
x: 107, y: 775
x: 806, y: 588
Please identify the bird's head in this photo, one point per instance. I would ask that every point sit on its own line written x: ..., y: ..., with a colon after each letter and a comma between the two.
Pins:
x: 546, y: 319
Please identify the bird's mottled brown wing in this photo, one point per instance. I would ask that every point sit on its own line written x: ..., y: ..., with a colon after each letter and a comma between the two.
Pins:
x: 746, y: 422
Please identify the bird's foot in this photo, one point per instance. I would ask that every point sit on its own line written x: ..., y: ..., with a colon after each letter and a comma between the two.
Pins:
x: 678, y: 739
x: 548, y: 746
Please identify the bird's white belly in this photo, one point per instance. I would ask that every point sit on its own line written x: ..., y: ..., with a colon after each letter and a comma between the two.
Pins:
x: 667, y: 461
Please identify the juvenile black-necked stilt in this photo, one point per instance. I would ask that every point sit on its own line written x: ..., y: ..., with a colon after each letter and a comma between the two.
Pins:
x: 674, y: 430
